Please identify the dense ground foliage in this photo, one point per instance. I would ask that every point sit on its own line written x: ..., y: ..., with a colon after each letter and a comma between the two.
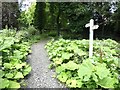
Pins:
x: 13, y: 55
x: 76, y: 70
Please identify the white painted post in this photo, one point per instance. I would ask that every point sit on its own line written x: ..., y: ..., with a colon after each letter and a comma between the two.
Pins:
x: 91, y: 38
x: 92, y: 27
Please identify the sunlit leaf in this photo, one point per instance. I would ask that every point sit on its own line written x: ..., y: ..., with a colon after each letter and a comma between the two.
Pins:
x: 9, y: 75
x: 102, y: 72
x: 8, y: 65
x: 107, y: 82
x: 27, y: 70
x: 13, y: 84
x: 66, y: 55
x: 70, y: 65
x: 85, y: 69
x: 18, y: 75
x: 4, y: 83
x: 74, y: 83
x: 2, y: 73
x: 62, y: 77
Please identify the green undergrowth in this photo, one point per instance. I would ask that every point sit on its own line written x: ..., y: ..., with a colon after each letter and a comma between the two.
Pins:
x: 32, y: 35
x: 76, y: 70
x: 37, y: 38
x: 13, y: 54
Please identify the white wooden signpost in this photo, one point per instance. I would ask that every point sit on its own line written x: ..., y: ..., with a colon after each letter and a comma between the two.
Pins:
x: 92, y: 27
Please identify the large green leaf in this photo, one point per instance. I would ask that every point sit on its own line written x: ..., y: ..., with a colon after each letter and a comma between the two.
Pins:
x: 80, y: 52
x: 74, y: 46
x: 74, y: 83
x: 107, y: 82
x: 18, y: 54
x: 102, y: 71
x: 4, y: 83
x: 9, y: 75
x: 95, y: 78
x: 7, y: 43
x: 27, y: 70
x: 85, y: 69
x: 18, y: 66
x: 62, y: 77
x: 59, y: 69
x: 8, y: 65
x: 18, y: 75
x: 70, y: 65
x: 2, y: 73
x: 57, y: 60
x: 13, y: 84
x: 66, y: 55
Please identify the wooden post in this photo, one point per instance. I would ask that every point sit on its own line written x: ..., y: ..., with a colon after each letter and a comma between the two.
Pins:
x: 92, y: 27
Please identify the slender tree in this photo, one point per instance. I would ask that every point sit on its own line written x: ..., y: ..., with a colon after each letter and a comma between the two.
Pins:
x: 0, y: 15
x: 39, y: 16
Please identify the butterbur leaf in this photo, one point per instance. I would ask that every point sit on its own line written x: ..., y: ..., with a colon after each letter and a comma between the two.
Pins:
x: 26, y: 70
x: 102, y: 71
x: 107, y: 82
x: 57, y: 60
x: 17, y: 40
x: 69, y: 74
x: 80, y: 52
x: 4, y: 83
x: 70, y: 65
x: 66, y: 55
x: 18, y: 54
x: 69, y: 48
x: 18, y: 75
x: 74, y: 83
x: 59, y: 69
x: 9, y: 75
x: 116, y: 61
x: 8, y: 65
x: 87, y: 77
x: 95, y: 77
x: 2, y: 73
x: 85, y: 69
x: 13, y: 84
x: 74, y: 46
x: 62, y: 77
x: 18, y: 66
x: 7, y: 43
x: 23, y: 64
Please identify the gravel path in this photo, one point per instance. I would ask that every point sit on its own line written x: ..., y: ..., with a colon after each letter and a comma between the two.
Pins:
x: 41, y: 76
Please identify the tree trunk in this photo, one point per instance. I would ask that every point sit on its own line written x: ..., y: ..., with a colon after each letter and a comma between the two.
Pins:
x: 102, y: 31
x: 0, y: 15
x: 58, y: 21
x: 40, y: 16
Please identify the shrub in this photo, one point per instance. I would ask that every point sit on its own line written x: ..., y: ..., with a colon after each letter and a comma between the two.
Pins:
x: 13, y: 52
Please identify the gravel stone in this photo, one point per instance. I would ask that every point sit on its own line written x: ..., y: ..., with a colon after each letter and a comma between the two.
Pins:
x: 41, y: 76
